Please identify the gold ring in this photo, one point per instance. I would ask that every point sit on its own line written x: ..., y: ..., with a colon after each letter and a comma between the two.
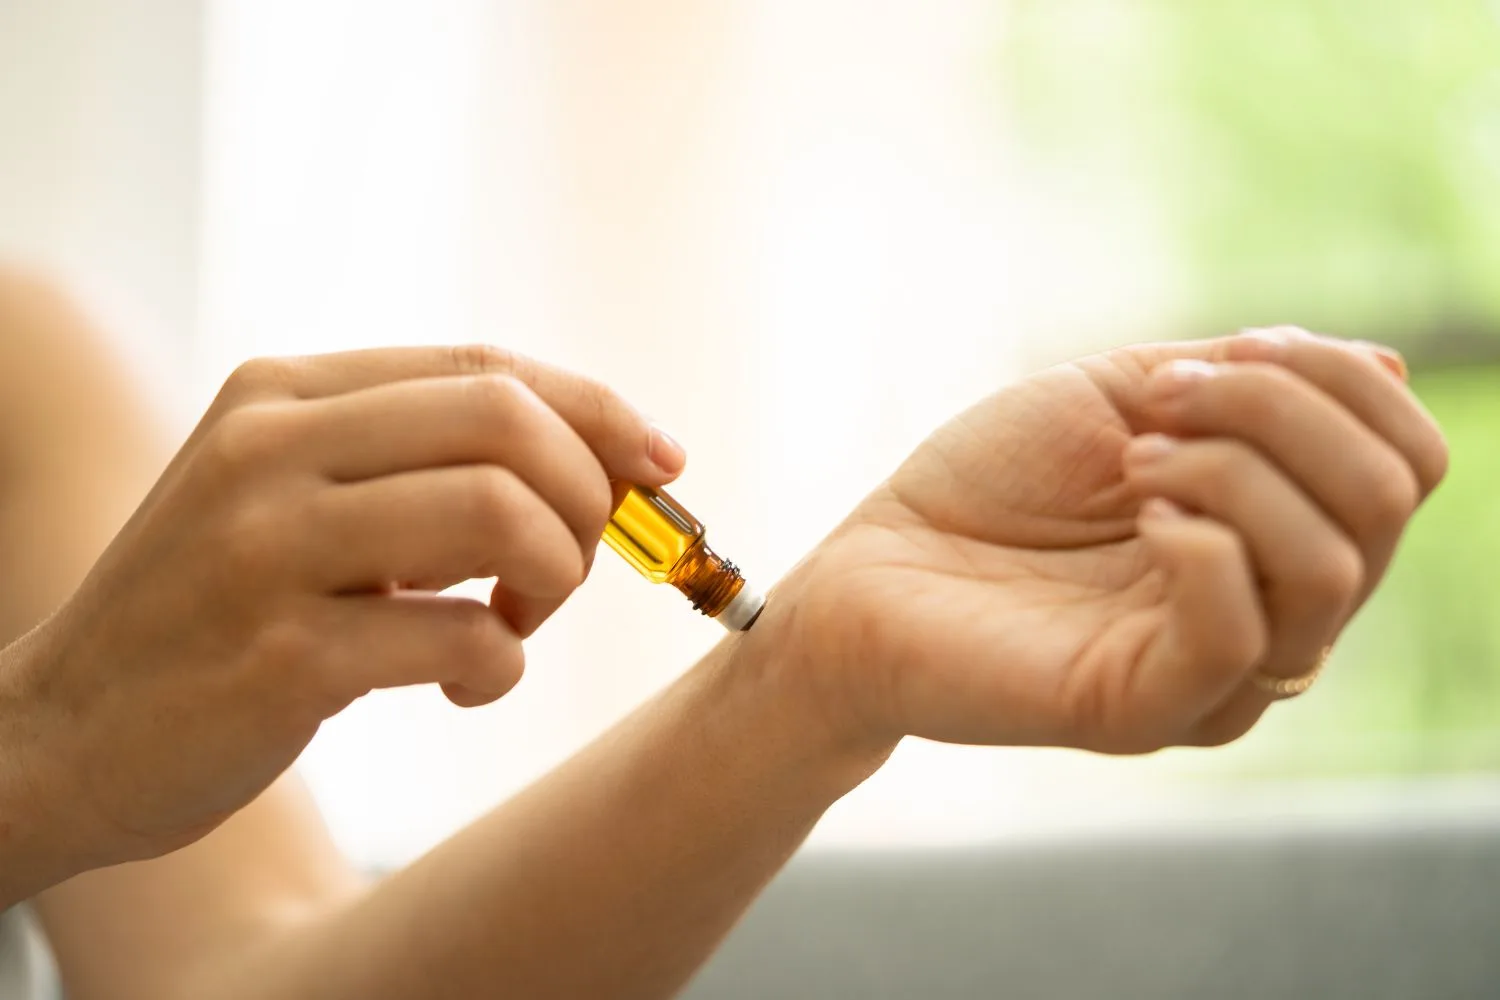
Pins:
x: 1281, y: 688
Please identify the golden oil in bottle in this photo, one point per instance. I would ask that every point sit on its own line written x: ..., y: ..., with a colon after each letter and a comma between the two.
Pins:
x: 665, y: 544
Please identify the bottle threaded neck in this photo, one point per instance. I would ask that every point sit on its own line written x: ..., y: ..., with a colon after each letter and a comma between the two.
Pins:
x: 708, y: 580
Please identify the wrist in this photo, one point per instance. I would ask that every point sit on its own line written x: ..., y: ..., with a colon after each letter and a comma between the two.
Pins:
x: 40, y: 823
x: 26, y: 862
x: 784, y: 691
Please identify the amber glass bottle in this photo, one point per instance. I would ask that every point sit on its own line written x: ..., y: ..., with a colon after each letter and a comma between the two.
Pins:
x: 665, y: 544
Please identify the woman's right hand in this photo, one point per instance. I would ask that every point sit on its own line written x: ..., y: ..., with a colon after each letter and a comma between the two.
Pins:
x: 285, y: 564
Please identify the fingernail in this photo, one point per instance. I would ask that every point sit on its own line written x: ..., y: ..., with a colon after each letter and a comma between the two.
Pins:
x: 1267, y: 342
x: 1292, y: 332
x: 1176, y: 377
x: 664, y: 450
x: 1159, y: 509
x: 1388, y: 357
x: 1148, y: 448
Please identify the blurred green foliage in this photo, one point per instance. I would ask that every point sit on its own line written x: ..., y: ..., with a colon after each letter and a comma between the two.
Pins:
x: 1330, y: 162
x: 1333, y: 163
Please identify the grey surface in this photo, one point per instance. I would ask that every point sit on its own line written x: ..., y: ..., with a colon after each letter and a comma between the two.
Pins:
x: 1399, y: 897
x: 26, y: 969
x: 1301, y: 911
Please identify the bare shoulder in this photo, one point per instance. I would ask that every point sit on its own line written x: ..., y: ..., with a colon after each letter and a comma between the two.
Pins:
x: 29, y: 296
x: 61, y: 377
x: 42, y: 330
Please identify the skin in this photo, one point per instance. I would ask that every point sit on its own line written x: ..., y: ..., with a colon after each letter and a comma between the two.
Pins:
x: 1097, y: 557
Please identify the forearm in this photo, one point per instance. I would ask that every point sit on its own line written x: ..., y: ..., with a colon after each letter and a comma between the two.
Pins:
x: 613, y: 877
x: 77, y: 451
x: 32, y: 853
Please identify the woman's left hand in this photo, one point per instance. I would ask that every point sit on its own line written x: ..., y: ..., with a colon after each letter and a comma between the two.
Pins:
x: 1103, y: 555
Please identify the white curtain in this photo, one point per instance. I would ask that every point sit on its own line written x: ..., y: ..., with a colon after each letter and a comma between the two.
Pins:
x: 790, y: 231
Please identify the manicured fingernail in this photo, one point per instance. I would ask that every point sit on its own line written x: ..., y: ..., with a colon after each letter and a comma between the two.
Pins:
x: 1388, y: 357
x: 1267, y: 342
x: 1149, y: 448
x: 664, y: 450
x: 1176, y: 377
x: 1159, y: 509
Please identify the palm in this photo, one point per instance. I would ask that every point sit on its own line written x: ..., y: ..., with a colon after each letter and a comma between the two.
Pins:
x: 1000, y: 572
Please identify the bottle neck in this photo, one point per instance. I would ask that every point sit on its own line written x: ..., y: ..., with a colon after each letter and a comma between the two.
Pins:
x: 708, y: 580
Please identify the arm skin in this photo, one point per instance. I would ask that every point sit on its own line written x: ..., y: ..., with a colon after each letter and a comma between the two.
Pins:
x: 614, y: 876
x: 78, y: 449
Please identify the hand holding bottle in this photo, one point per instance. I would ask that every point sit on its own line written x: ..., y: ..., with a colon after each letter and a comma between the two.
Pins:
x: 276, y: 572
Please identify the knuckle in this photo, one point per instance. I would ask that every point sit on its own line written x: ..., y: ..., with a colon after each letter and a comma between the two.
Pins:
x: 567, y: 569
x: 600, y: 399
x: 250, y: 436
x: 257, y: 378
x: 1244, y: 647
x: 493, y: 495
x: 1434, y: 462
x: 554, y: 566
x: 482, y: 359
x: 1392, y: 496
x: 1334, y: 574
x: 500, y: 507
x: 613, y: 411
x: 500, y: 399
x: 1214, y: 471
x: 611, y: 424
x: 598, y: 505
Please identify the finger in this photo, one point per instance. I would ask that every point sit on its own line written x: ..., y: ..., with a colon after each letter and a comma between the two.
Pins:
x: 523, y: 614
x: 1362, y: 482
x: 1351, y: 371
x: 1239, y: 714
x: 629, y: 447
x: 1148, y: 356
x: 436, y: 422
x: 1215, y: 632
x: 403, y: 639
x: 1309, y: 573
x: 459, y: 523
x: 1357, y: 375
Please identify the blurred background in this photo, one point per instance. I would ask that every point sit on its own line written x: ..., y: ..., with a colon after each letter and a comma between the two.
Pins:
x: 802, y: 235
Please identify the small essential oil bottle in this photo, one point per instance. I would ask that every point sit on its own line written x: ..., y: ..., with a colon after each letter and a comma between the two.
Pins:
x: 656, y: 535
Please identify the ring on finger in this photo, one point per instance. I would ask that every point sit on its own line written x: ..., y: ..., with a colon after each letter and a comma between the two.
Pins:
x: 1282, y: 688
